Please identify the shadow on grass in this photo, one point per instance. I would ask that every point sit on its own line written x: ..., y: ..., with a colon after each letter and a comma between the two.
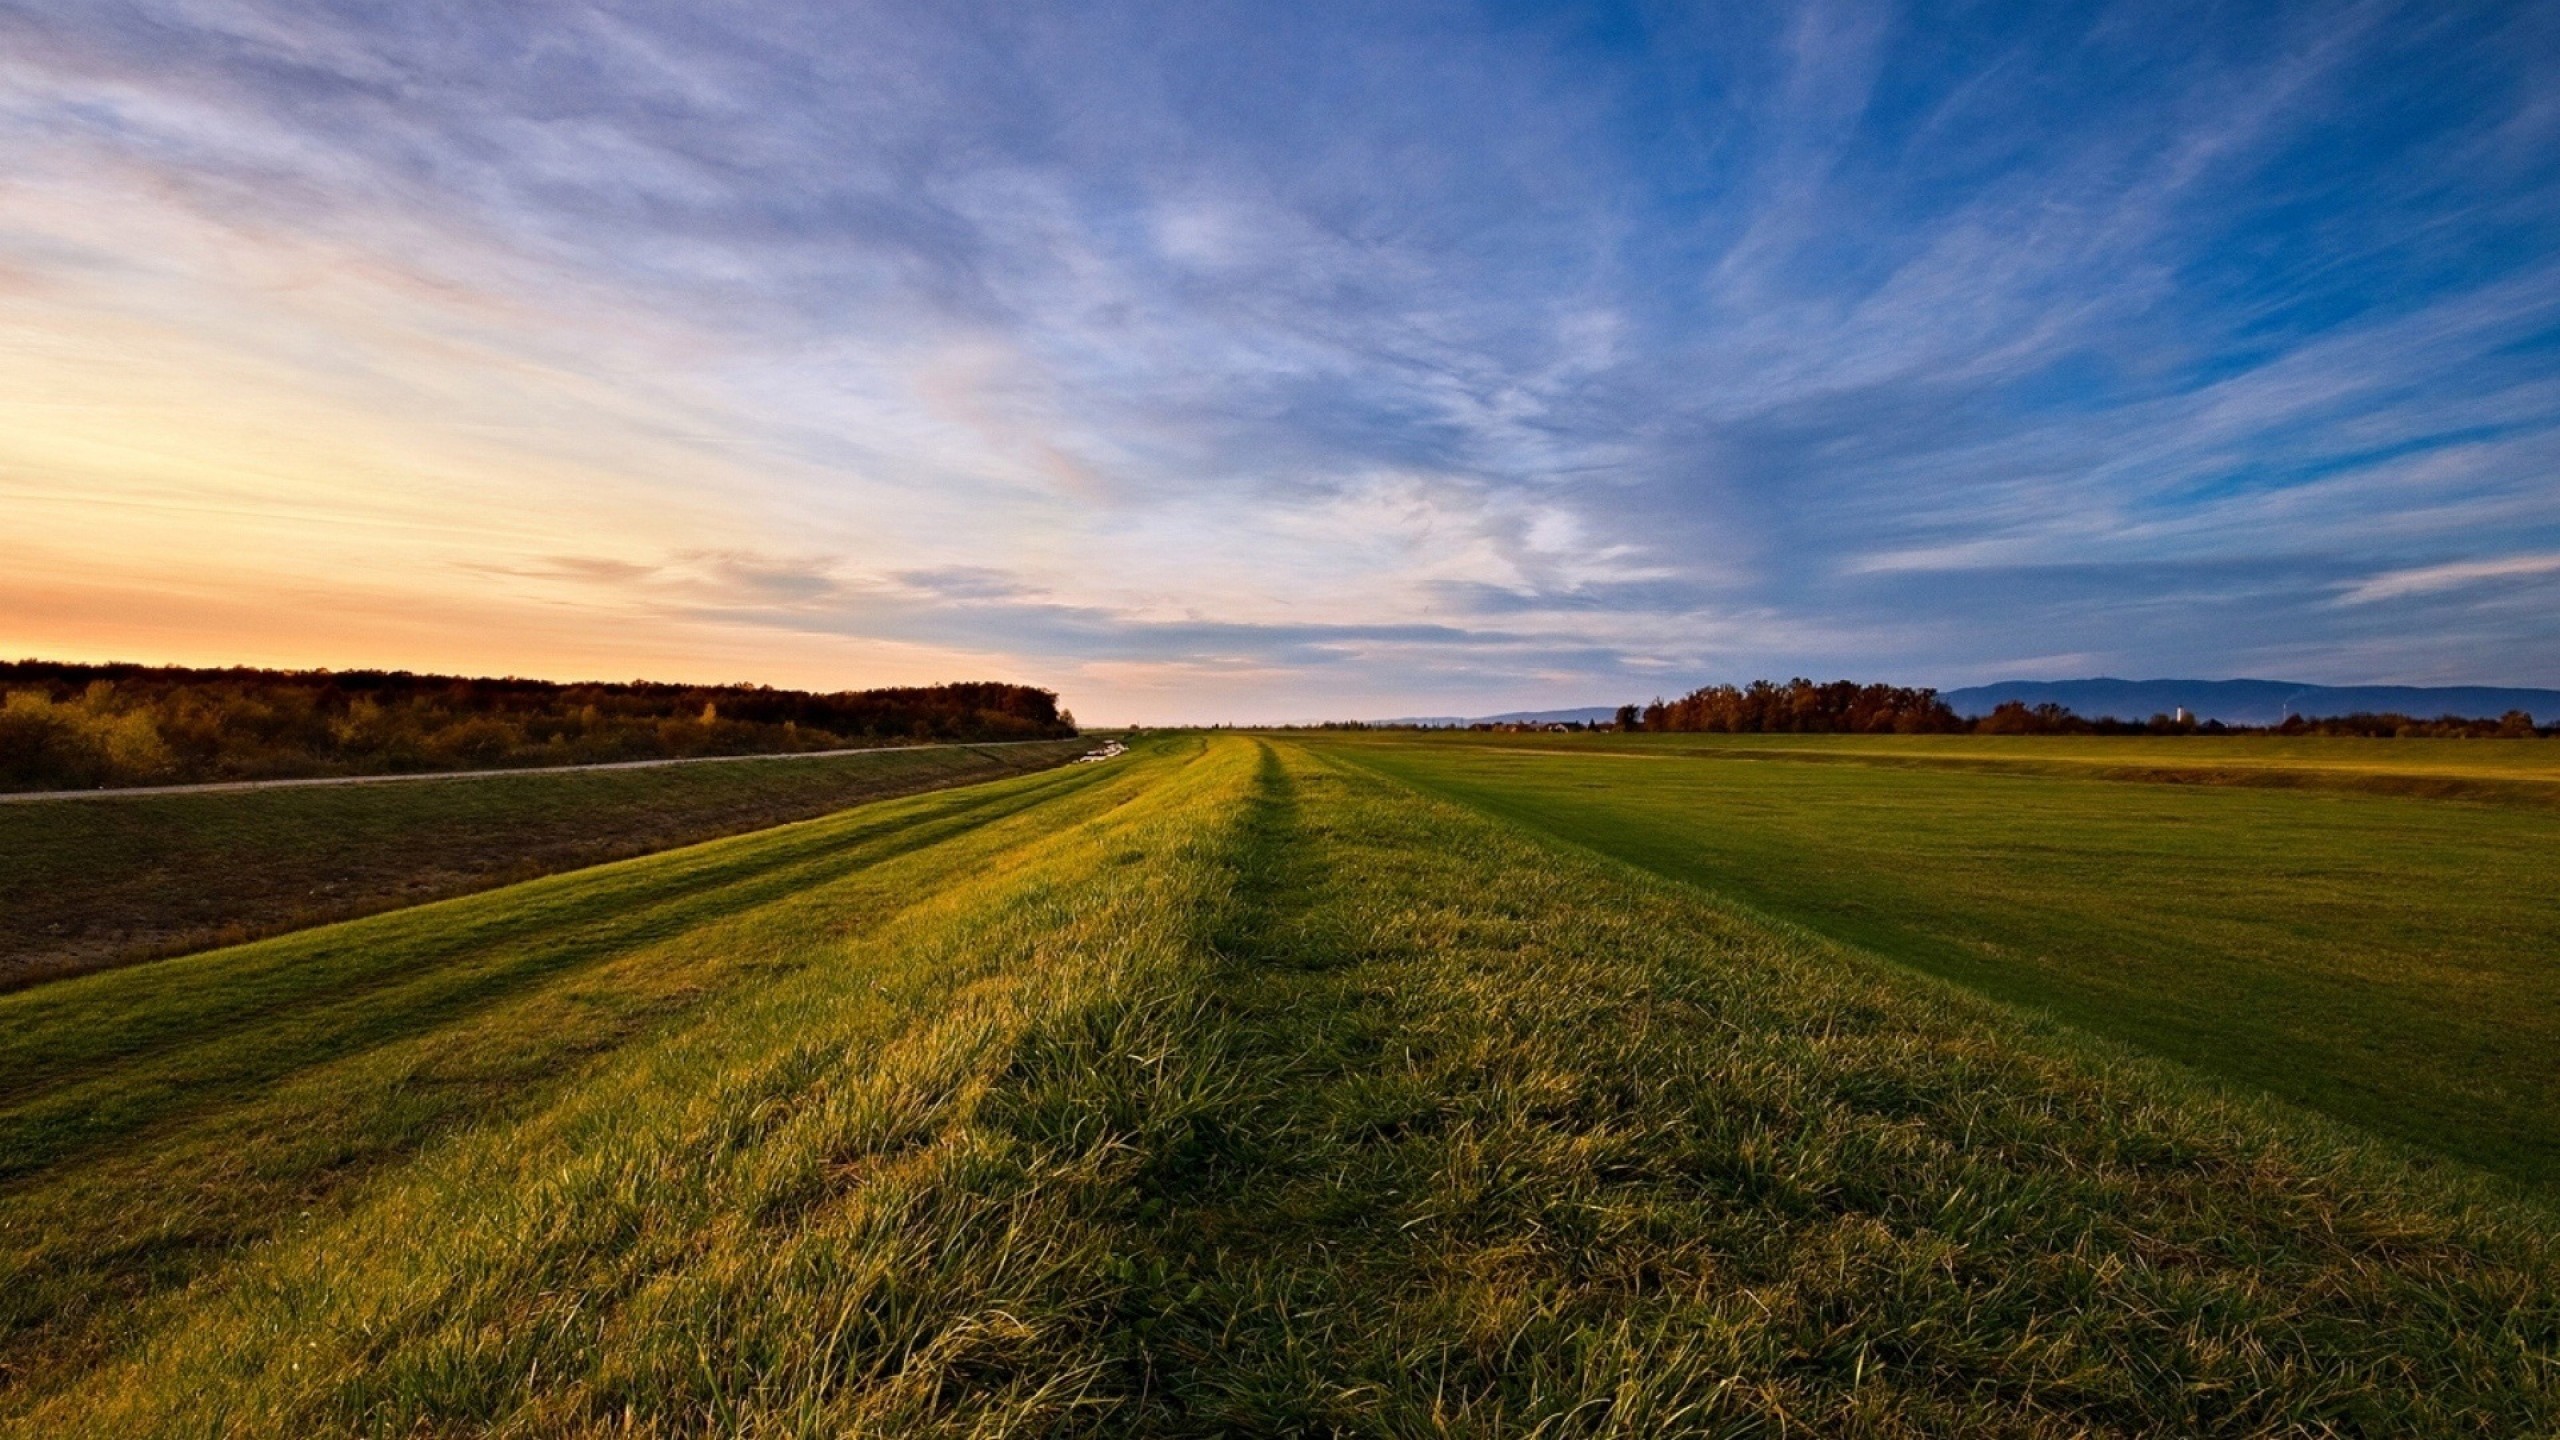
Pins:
x: 1252, y: 1214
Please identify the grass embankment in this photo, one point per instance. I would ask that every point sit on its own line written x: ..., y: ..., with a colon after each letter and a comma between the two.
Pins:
x: 103, y: 881
x: 2388, y: 958
x: 1224, y: 1089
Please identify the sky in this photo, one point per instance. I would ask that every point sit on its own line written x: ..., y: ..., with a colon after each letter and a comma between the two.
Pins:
x: 1256, y: 362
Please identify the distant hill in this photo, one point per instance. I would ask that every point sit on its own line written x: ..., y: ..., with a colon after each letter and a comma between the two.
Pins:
x: 1587, y: 715
x: 2253, y: 702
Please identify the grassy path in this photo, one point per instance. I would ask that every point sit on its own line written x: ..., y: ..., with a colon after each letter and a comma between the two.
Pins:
x: 1231, y: 1089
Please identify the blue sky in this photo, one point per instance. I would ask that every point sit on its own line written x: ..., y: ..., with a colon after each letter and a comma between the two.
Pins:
x: 1272, y: 362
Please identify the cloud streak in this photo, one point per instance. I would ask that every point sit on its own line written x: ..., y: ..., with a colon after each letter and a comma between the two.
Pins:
x: 2428, y: 579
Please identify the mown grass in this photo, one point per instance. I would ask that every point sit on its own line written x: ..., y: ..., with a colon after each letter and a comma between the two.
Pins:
x: 2385, y: 958
x: 1233, y: 1089
x: 2499, y: 770
x: 154, y: 1119
x: 111, y: 879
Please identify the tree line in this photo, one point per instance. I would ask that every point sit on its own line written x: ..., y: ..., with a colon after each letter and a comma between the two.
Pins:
x: 70, y: 726
x: 1798, y: 707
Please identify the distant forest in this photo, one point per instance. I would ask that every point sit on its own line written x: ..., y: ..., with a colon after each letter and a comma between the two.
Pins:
x: 65, y: 726
x: 1799, y: 707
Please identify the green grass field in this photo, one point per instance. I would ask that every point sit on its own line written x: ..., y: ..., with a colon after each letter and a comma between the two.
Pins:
x: 2368, y: 927
x: 1233, y: 1087
x: 102, y: 881
x: 2429, y: 768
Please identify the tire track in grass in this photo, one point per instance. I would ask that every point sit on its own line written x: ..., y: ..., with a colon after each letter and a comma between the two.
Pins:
x: 1247, y: 1223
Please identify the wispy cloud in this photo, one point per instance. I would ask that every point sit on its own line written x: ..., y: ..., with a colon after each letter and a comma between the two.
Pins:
x: 2426, y: 579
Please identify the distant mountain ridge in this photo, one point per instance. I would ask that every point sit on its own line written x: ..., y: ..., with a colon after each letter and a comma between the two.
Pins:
x: 2253, y: 702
